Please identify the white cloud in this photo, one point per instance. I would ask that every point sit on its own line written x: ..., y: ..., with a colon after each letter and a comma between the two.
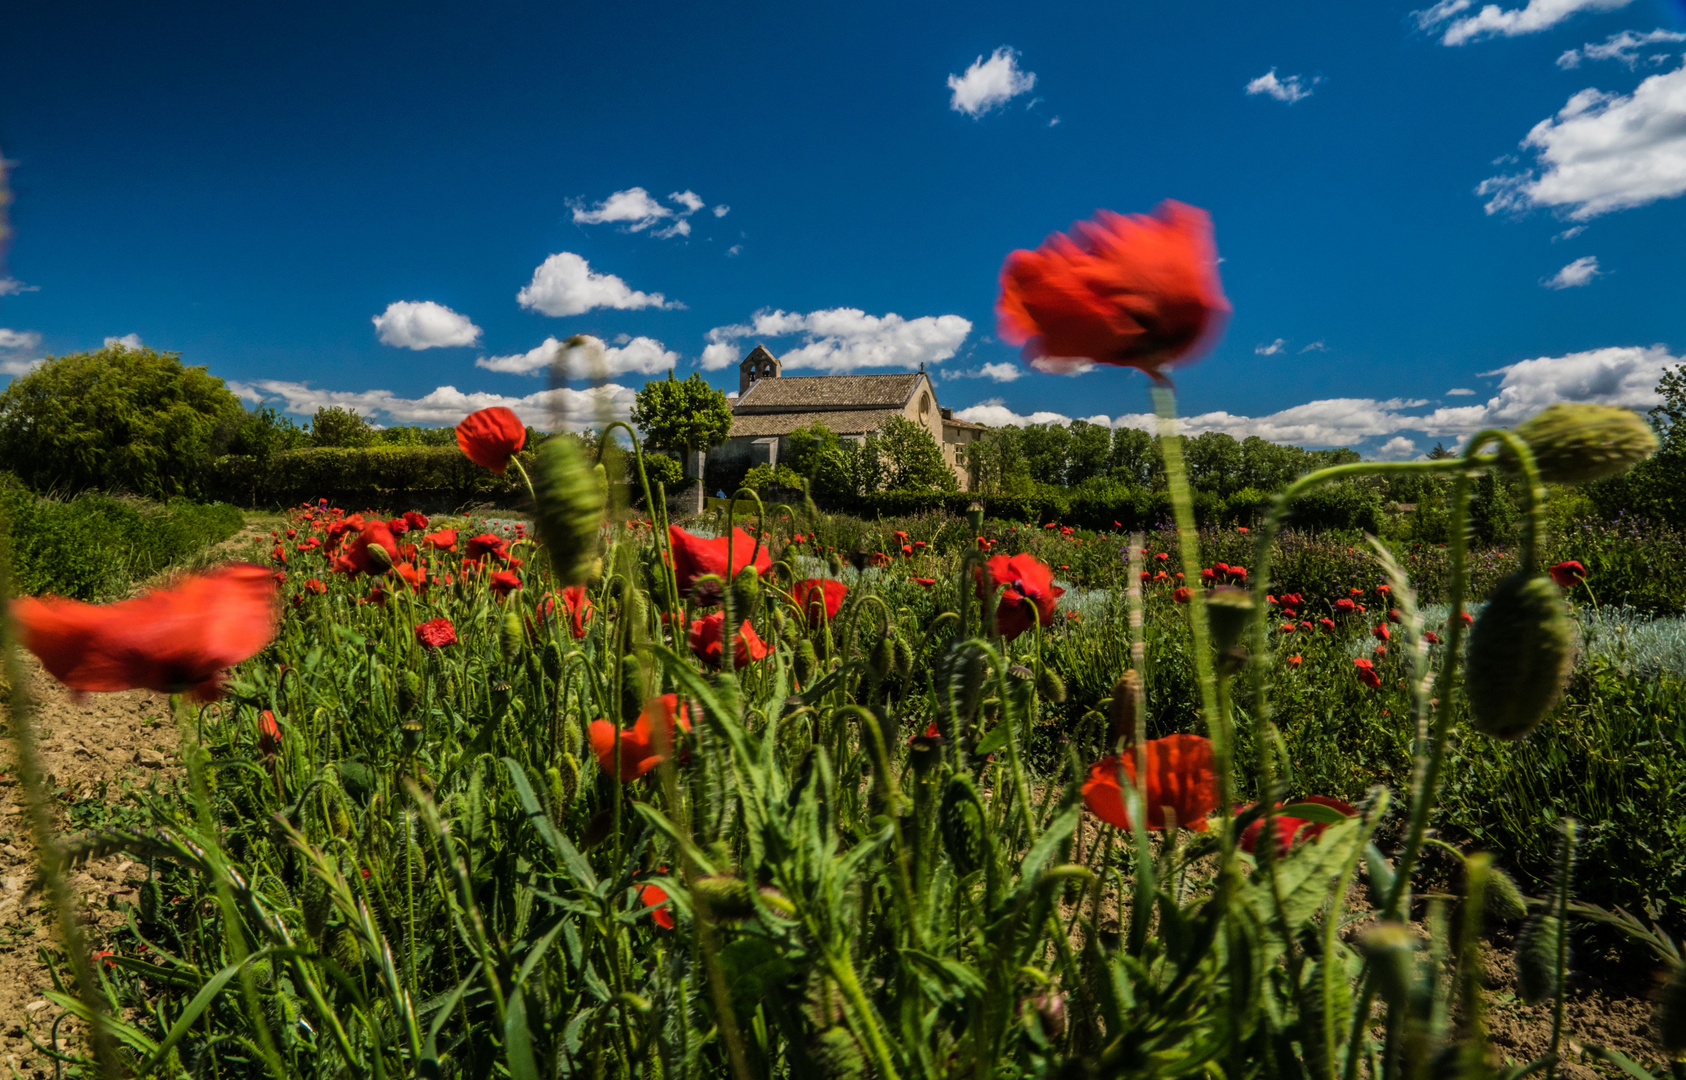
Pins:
x: 1623, y: 47
x: 18, y: 340
x: 637, y: 210
x: 735, y: 249
x: 1460, y: 391
x: 1494, y: 21
x: 565, y: 284
x: 1270, y: 350
x: 1397, y: 448
x: 412, y: 324
x: 1603, y: 152
x: 1570, y: 233
x: 722, y: 210
x: 1619, y: 375
x: 11, y: 286
x: 1293, y: 88
x: 1001, y: 373
x: 841, y: 340
x: 16, y: 347
x: 127, y: 341
x: 550, y: 410
x: 989, y: 84
x: 587, y: 357
x: 1580, y: 272
x: 1316, y: 346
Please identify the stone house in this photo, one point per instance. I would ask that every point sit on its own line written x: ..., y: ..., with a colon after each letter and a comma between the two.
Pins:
x: 771, y: 405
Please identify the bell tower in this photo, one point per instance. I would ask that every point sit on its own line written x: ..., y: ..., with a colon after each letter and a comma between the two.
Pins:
x: 759, y: 364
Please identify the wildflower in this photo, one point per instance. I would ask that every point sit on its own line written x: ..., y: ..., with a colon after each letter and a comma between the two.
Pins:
x: 1222, y: 568
x: 316, y: 585
x: 1345, y: 606
x: 414, y: 576
x: 1367, y: 673
x: 490, y: 437
x: 1396, y: 616
x: 696, y: 556
x: 291, y: 533
x: 1208, y: 575
x: 1468, y: 619
x: 1381, y: 650
x: 1181, y: 593
x: 575, y: 602
x: 1354, y: 592
x: 1238, y: 572
x: 443, y: 540
x: 1384, y: 589
x: 436, y: 633
x: 269, y: 735
x: 1287, y: 828
x: 1295, y: 660
x: 279, y: 554
x: 705, y: 641
x: 1161, y: 576
x: 1431, y: 637
x: 639, y: 751
x: 175, y: 640
x: 1289, y: 628
x: 504, y: 582
x: 486, y: 545
x: 816, y: 594
x: 415, y: 520
x: 373, y: 552
x: 1380, y: 632
x: 1242, y: 529
x: 1327, y: 624
x: 1269, y: 599
x: 1179, y: 776
x: 653, y: 896
x: 398, y: 526
x: 1136, y: 291
x: 1568, y: 574
x: 1162, y: 556
x: 1028, y: 593
x: 1146, y: 576
x: 925, y: 581
x: 907, y: 551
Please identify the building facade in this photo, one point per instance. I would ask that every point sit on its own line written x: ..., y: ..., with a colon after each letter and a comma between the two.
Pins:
x: 770, y: 405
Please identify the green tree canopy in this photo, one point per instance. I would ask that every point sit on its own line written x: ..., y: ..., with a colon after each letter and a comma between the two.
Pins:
x: 682, y: 414
x: 912, y: 459
x: 118, y: 419
x: 334, y: 426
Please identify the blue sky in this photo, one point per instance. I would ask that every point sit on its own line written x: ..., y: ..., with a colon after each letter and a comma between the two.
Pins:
x: 1409, y: 201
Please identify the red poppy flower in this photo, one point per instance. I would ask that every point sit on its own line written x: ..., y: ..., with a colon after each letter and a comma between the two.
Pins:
x: 574, y: 601
x: 279, y: 554
x: 1181, y: 593
x: 1137, y: 291
x: 1162, y: 556
x: 697, y: 556
x: 317, y: 586
x: 1431, y: 637
x: 1367, y: 673
x: 1208, y: 575
x: 358, y: 556
x: 398, y: 526
x: 1396, y: 616
x: 653, y: 896
x: 1028, y: 592
x: 925, y: 581
x: 504, y: 582
x: 1380, y: 632
x: 269, y: 735
x: 1179, y: 776
x: 1328, y: 625
x: 705, y: 641
x: 491, y: 437
x: 814, y: 594
x: 1286, y: 828
x: 488, y: 546
x: 1289, y: 628
x: 1568, y: 574
x: 1345, y: 606
x: 415, y: 519
x: 639, y: 750
x: 1468, y: 619
x: 1296, y: 660
x: 291, y: 533
x: 437, y: 633
x: 443, y: 540
x: 1238, y: 572
x: 175, y: 640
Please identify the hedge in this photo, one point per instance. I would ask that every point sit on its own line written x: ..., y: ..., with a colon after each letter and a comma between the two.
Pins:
x: 433, y: 479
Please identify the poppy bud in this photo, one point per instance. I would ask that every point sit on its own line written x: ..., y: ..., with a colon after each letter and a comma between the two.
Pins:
x: 960, y: 819
x: 807, y: 661
x: 632, y: 689
x: 1122, y: 711
x: 834, y: 564
x: 925, y: 751
x: 904, y: 658
x: 1050, y: 1012
x: 882, y: 659
x: 511, y: 635
x: 1503, y: 899
x: 1520, y: 651
x: 569, y: 497
x: 409, y: 690
x: 838, y: 1055
x: 1051, y: 686
x: 723, y: 898
x: 1389, y: 947
x: 746, y: 590
x: 1536, y: 959
x: 1227, y: 611
x: 381, y: 557
x: 1579, y: 443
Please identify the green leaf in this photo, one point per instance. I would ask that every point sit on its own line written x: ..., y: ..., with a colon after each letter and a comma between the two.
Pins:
x: 576, y: 863
x: 517, y: 1040
x: 1310, y: 811
x: 1303, y: 876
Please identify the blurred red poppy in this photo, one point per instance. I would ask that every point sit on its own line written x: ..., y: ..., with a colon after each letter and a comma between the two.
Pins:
x: 1181, y: 593
x: 485, y: 546
x: 504, y: 582
x: 1367, y: 673
x: 174, y: 640
x: 443, y: 540
x: 1296, y: 660
x: 925, y: 581
x: 359, y: 556
x: 698, y: 556
x: 816, y: 594
x: 1179, y: 776
x: 1136, y: 291
x: 1344, y: 606
x: 269, y: 735
x: 639, y: 749
x: 437, y: 633
x: 1286, y: 828
x: 415, y: 519
x: 1028, y: 592
x: 653, y: 896
x: 705, y: 641
x: 491, y: 437
x: 316, y: 585
x: 1568, y: 574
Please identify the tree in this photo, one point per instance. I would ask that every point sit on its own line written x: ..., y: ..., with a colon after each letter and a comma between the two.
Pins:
x: 1214, y: 462
x: 912, y: 459
x: 117, y: 419
x: 410, y: 435
x: 334, y: 426
x: 1086, y: 456
x: 257, y: 432
x: 684, y: 415
x: 1134, y: 459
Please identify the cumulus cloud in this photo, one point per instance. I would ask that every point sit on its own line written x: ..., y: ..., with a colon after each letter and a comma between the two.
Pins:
x: 1603, y: 152
x: 1580, y: 272
x: 1316, y: 346
x: 1460, y: 391
x: 990, y: 84
x: 127, y: 341
x: 722, y: 210
x: 1623, y: 47
x: 559, y: 409
x: 840, y: 340
x: 16, y: 351
x: 11, y: 286
x: 565, y: 284
x: 636, y: 210
x: 413, y: 324
x: 1293, y: 88
x: 1272, y: 349
x: 20, y: 340
x: 588, y: 357
x: 1494, y: 21
x: 1397, y: 448
x: 735, y: 249
x: 1619, y: 375
x: 1001, y: 373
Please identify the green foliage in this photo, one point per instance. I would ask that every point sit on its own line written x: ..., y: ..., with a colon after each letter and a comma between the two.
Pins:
x: 759, y: 478
x: 432, y: 478
x: 912, y: 459
x: 334, y: 427
x: 95, y: 547
x: 259, y: 432
x: 685, y: 415
x: 118, y: 419
x: 659, y: 468
x: 409, y: 435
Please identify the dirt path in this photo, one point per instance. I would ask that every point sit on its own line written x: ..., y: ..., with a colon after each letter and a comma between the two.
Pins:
x: 92, y: 751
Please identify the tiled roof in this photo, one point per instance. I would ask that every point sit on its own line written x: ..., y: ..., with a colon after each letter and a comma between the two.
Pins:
x: 828, y: 392
x: 842, y: 422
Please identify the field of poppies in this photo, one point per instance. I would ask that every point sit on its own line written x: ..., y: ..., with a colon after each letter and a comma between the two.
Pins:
x: 762, y: 795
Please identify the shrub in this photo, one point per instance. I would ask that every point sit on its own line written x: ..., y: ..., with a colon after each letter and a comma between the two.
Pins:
x: 429, y: 477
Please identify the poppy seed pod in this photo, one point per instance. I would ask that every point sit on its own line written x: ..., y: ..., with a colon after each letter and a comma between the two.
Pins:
x: 570, y: 499
x: 1579, y: 443
x: 883, y: 659
x: 1520, y: 651
x: 1389, y: 947
x: 1227, y: 611
x: 1536, y: 959
x: 1122, y: 712
x: 1503, y: 899
x: 1051, y: 686
x: 960, y: 819
x: 511, y: 635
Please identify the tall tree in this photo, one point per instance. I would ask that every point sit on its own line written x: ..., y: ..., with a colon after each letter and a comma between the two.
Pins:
x: 912, y: 459
x: 334, y: 426
x: 684, y: 415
